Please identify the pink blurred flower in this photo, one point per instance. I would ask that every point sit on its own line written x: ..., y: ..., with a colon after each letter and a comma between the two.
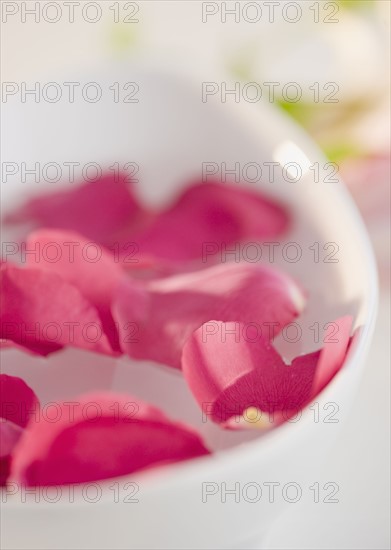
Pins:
x: 368, y: 179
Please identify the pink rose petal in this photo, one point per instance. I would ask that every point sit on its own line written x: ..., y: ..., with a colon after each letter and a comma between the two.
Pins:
x: 84, y: 264
x: 9, y: 344
x: 42, y: 312
x: 5, y: 466
x: 172, y: 308
x: 106, y: 435
x: 211, y: 213
x: 18, y: 402
x: 233, y: 371
x: 9, y: 435
x: 99, y: 210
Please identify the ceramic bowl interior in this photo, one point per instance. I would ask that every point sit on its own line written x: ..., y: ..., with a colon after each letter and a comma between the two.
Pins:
x: 170, y: 133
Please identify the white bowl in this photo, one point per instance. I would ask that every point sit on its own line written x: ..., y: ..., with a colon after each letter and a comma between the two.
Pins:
x: 169, y: 133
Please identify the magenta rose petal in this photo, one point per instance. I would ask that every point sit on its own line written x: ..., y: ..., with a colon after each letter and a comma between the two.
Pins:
x: 232, y: 371
x: 43, y: 313
x: 106, y: 435
x: 99, y: 210
x: 18, y: 402
x: 9, y: 435
x: 242, y: 382
x: 211, y: 214
x: 176, y: 306
x: 84, y: 264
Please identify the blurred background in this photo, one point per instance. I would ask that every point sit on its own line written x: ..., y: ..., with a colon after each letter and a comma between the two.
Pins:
x: 338, y: 54
x: 343, y: 45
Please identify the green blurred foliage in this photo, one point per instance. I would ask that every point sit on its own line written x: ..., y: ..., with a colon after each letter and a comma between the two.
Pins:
x: 123, y: 38
x: 357, y: 4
